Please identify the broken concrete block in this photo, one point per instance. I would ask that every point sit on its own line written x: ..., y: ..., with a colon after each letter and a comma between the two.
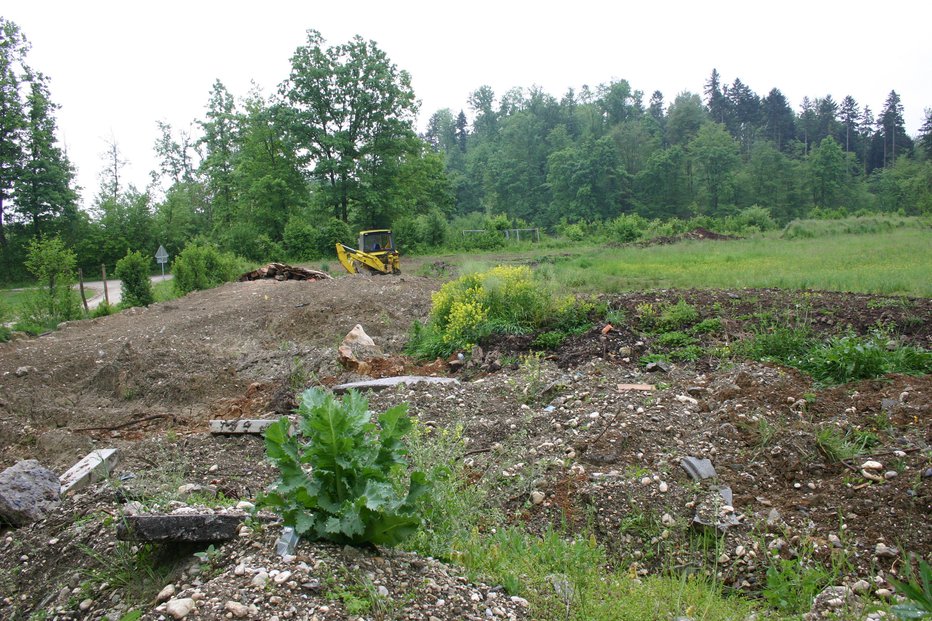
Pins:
x: 179, y: 528
x: 241, y: 426
x: 96, y: 466
x: 28, y: 491
x: 389, y: 382
x: 286, y: 543
x: 698, y: 469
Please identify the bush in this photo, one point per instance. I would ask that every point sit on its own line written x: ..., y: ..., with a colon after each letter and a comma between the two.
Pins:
x: 503, y: 300
x: 626, y: 228
x: 53, y: 265
x: 202, y: 266
x: 333, y: 231
x: 351, y: 494
x: 133, y: 270
x: 299, y: 239
x: 847, y: 358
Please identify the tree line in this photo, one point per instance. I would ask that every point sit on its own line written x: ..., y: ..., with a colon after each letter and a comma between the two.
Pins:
x: 334, y: 149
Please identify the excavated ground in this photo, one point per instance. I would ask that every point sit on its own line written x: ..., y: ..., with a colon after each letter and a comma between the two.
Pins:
x: 557, y: 430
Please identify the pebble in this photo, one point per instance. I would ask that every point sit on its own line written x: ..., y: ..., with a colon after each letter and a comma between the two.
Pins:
x: 179, y: 608
x: 166, y: 593
x: 861, y: 586
x: 884, y: 593
x: 884, y: 551
x: 872, y: 465
x: 260, y: 580
x: 245, y: 505
x: 383, y: 591
x: 645, y: 481
x: 890, y: 474
x: 537, y: 497
x: 282, y: 577
x: 739, y: 551
x: 85, y: 605
x: 663, y: 487
x: 213, y: 468
x: 667, y: 519
x: 239, y: 570
x: 239, y: 610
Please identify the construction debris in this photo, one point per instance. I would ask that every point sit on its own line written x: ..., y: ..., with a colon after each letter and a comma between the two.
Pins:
x: 95, y: 466
x: 180, y: 527
x: 27, y: 492
x: 280, y: 271
x: 240, y: 426
x: 389, y: 382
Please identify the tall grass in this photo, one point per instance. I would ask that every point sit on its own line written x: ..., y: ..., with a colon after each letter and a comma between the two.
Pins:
x: 897, y: 262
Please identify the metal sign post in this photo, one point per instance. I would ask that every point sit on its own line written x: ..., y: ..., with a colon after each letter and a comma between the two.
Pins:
x: 161, y: 257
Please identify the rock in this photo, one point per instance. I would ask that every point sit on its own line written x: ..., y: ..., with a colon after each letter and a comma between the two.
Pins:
x: 28, y: 491
x: 188, y: 489
x: 832, y: 601
x: 881, y: 550
x: 357, y: 346
x: 890, y: 474
x: 165, y: 594
x: 260, y: 580
x: 24, y: 371
x: 667, y: 520
x: 861, y: 586
x: 888, y: 404
x: 537, y: 497
x: 686, y: 400
x: 85, y: 605
x: 179, y: 608
x: 884, y: 593
x: 698, y: 469
x: 237, y: 609
x: 663, y: 487
x: 286, y: 543
x: 383, y: 591
x: 872, y: 465
x: 658, y: 367
x: 195, y: 527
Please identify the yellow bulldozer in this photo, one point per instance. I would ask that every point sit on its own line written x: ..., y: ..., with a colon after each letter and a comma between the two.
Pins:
x: 376, y: 254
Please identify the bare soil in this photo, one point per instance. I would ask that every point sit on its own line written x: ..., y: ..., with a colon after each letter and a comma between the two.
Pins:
x: 147, y: 381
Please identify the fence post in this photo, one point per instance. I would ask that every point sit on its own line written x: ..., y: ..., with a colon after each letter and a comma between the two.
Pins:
x: 81, y: 287
x: 103, y: 271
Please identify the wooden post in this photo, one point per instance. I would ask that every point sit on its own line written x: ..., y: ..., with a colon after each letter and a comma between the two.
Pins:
x: 103, y: 271
x: 81, y: 286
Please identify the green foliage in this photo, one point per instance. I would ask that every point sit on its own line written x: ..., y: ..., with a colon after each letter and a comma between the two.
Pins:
x: 352, y: 494
x: 847, y: 358
x: 503, y: 300
x: 202, y: 266
x: 792, y: 584
x: 300, y: 238
x: 53, y: 265
x: 785, y: 344
x: 712, y: 325
x: 133, y: 270
x: 677, y: 316
x: 918, y: 593
x: 333, y: 231
x: 838, y: 446
x: 102, y: 310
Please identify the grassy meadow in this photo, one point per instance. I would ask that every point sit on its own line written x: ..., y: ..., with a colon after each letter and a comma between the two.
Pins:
x: 896, y: 262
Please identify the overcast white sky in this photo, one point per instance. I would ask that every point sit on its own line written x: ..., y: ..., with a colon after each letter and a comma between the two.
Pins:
x: 118, y: 67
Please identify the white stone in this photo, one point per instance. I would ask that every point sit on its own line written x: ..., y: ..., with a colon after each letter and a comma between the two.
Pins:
x: 166, y: 593
x: 260, y: 580
x: 872, y: 465
x: 663, y: 487
x: 383, y: 591
x: 537, y: 497
x: 179, y: 608
x: 95, y: 466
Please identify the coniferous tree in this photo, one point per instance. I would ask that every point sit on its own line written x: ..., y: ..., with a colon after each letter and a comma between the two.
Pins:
x: 13, y: 50
x: 849, y: 115
x: 779, y: 120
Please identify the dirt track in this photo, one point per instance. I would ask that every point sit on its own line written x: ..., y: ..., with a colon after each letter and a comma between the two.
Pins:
x: 147, y: 381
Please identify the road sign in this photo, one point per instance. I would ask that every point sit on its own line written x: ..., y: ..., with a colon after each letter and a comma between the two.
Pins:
x: 161, y: 257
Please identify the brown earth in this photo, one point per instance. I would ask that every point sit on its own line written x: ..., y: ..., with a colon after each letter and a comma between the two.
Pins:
x: 607, y: 460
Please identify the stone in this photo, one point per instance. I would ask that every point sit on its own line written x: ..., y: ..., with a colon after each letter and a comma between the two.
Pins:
x: 888, y: 404
x: 861, y: 586
x: 95, y: 466
x: 658, y: 367
x: 663, y: 487
x: 193, y: 528
x: 644, y: 387
x: 882, y: 550
x: 356, y: 348
x: 537, y: 497
x: 872, y: 465
x: 24, y: 371
x: 383, y: 591
x: 28, y: 491
x: 260, y: 580
x: 698, y: 469
x: 237, y: 609
x: 179, y: 608
x: 165, y: 594
x: 390, y: 382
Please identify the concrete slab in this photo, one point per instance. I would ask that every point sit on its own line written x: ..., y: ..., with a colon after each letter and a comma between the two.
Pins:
x: 390, y: 382
x: 698, y: 469
x: 624, y: 387
x: 95, y: 466
x: 179, y: 528
x: 241, y: 426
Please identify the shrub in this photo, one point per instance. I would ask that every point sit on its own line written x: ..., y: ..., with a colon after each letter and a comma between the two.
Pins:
x: 53, y: 265
x: 847, y: 358
x: 202, y: 266
x: 351, y: 494
x: 133, y: 270
x: 626, y: 228
x: 299, y: 238
x: 329, y: 234
x: 676, y: 316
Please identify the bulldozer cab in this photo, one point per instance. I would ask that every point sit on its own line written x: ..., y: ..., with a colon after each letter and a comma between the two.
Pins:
x: 377, y: 240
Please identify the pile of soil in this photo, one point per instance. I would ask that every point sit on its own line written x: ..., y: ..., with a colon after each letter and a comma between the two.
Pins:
x: 699, y: 234
x: 555, y: 439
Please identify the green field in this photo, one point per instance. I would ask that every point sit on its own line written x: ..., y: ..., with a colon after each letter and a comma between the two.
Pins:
x: 897, y: 262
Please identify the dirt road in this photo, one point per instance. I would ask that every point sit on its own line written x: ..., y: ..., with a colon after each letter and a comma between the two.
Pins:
x: 114, y: 290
